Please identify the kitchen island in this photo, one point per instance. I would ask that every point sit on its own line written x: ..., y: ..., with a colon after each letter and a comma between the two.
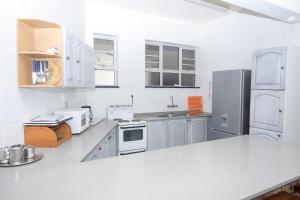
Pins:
x: 235, y: 168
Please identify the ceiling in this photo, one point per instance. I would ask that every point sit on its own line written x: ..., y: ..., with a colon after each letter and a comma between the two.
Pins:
x: 175, y: 9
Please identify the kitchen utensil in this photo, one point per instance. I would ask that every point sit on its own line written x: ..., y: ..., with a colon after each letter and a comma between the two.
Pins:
x: 29, y: 151
x: 47, y: 70
x: 4, y: 155
x: 33, y: 71
x: 43, y: 72
x: 16, y: 153
x: 38, y: 72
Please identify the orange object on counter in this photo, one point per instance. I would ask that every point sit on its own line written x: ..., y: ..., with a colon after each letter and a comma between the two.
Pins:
x: 195, y: 105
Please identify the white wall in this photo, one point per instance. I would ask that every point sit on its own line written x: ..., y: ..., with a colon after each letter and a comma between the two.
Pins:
x: 228, y: 43
x: 132, y: 29
x: 18, y: 104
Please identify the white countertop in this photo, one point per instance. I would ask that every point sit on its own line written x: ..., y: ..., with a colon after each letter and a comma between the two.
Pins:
x: 234, y: 168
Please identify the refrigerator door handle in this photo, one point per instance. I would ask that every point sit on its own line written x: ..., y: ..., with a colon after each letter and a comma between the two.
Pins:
x: 209, y: 89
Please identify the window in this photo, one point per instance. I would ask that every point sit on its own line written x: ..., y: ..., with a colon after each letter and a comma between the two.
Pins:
x: 169, y: 65
x: 105, y: 48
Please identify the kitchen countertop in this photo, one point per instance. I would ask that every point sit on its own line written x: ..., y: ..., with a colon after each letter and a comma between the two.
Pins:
x: 156, y: 116
x: 242, y: 167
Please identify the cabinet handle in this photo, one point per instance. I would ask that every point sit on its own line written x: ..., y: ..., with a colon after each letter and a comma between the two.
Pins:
x: 100, y: 148
x: 282, y: 67
x: 280, y: 111
x: 109, y: 138
x: 78, y: 61
x: 68, y: 58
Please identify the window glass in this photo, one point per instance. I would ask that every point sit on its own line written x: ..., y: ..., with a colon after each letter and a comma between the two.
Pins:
x: 170, y: 79
x: 170, y: 58
x: 104, y: 77
x: 104, y: 52
x: 188, y: 80
x: 152, y: 78
x: 105, y: 60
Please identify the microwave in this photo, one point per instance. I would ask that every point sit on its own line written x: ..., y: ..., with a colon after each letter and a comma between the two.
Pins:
x: 80, y: 119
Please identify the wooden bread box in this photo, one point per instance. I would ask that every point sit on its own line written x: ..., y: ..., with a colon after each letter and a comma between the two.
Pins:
x: 42, y: 136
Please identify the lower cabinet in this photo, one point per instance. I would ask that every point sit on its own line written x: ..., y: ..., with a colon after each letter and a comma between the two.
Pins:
x: 157, y: 134
x: 178, y: 132
x: 197, y: 130
x: 170, y: 133
x: 106, y: 148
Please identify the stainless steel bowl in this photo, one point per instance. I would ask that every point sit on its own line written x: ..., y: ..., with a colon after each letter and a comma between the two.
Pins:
x: 16, y: 153
x: 4, y: 155
x: 29, y: 151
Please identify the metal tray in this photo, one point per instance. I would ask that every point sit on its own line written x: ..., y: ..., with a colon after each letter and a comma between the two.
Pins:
x: 37, y: 157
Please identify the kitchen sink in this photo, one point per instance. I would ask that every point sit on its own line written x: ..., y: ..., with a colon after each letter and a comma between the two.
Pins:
x: 172, y: 114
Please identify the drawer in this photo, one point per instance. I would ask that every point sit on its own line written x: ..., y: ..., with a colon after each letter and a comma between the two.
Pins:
x: 275, y: 136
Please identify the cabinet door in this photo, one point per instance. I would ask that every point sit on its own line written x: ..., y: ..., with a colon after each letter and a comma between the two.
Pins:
x: 68, y: 59
x: 266, y: 133
x: 197, y: 130
x: 269, y: 69
x: 267, y: 110
x: 78, y: 63
x: 177, y: 134
x: 112, y: 140
x: 157, y: 134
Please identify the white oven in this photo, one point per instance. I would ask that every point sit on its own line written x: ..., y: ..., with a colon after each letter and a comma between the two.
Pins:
x: 132, y: 138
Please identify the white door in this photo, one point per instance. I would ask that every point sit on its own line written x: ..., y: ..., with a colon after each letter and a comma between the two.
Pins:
x: 269, y: 69
x: 266, y: 133
x: 157, y: 134
x: 197, y: 130
x: 68, y: 59
x: 177, y: 134
x: 267, y: 110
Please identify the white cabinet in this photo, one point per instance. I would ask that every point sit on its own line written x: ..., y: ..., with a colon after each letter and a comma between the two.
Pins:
x: 106, y: 148
x: 269, y: 69
x: 78, y: 63
x: 169, y: 133
x: 197, y: 130
x: 68, y: 60
x: 178, y: 132
x: 276, y: 136
x: 157, y: 134
x: 275, y: 94
x: 267, y: 109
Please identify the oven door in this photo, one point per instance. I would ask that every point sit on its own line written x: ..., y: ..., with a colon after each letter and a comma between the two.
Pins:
x: 132, y: 138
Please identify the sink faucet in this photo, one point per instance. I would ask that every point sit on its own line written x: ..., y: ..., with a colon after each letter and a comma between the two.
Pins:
x: 172, y: 103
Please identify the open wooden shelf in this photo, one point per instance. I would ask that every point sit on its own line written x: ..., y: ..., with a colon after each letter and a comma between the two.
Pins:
x: 34, y: 37
x: 38, y: 54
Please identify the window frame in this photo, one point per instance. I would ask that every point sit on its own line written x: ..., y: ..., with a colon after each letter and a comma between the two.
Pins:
x: 114, y: 68
x: 180, y: 71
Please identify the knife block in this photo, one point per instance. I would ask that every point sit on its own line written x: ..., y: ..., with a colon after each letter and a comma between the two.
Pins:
x: 42, y: 136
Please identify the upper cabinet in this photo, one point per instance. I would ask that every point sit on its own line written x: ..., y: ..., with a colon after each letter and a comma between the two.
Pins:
x: 269, y: 69
x: 49, y: 56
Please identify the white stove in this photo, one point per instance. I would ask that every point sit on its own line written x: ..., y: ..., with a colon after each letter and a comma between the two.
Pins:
x: 132, y: 134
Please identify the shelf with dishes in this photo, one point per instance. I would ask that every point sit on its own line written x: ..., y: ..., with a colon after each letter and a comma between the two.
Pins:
x: 49, y: 56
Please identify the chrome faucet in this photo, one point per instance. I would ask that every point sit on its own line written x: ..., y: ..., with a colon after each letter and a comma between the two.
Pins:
x: 172, y: 103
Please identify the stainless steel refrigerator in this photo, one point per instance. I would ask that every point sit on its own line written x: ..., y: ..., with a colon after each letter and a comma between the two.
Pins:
x: 230, y: 103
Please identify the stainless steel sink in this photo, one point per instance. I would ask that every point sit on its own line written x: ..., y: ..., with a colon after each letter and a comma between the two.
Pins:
x: 172, y: 114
